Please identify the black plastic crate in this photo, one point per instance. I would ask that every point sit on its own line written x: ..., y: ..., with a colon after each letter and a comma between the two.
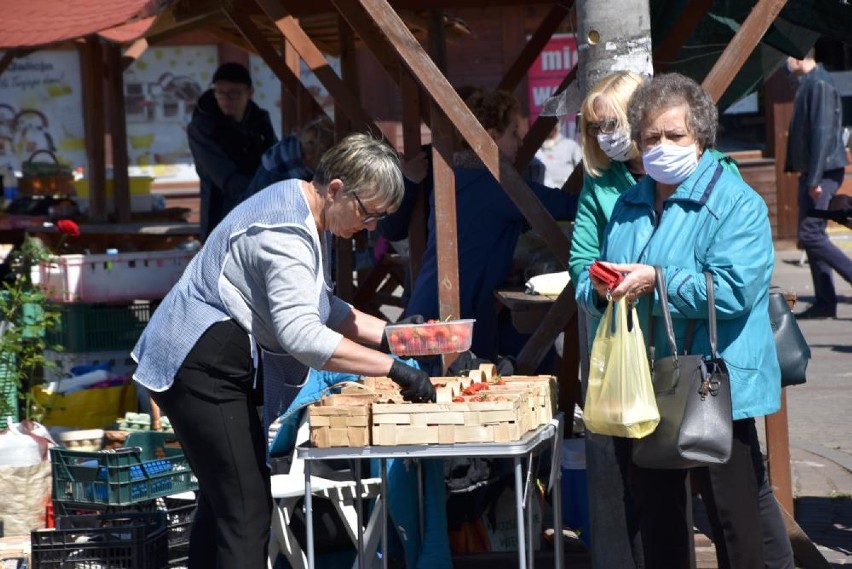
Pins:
x: 106, y: 541
x: 179, y: 513
x: 151, y: 466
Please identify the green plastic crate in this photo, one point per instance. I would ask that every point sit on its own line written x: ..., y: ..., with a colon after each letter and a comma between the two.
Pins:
x: 99, y: 327
x: 8, y: 389
x: 147, y: 467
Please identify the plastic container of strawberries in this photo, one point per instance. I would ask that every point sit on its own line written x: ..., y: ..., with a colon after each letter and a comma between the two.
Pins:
x: 431, y: 338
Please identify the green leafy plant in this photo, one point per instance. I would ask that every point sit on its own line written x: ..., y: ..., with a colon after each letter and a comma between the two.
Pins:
x: 25, y: 316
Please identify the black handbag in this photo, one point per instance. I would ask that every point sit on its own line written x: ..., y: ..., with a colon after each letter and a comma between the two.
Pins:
x: 693, y: 395
x: 793, y: 350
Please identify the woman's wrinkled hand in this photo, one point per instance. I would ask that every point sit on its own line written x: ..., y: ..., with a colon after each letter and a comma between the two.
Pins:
x: 638, y: 281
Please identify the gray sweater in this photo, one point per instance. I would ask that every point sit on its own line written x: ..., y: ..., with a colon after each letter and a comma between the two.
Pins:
x: 266, y: 267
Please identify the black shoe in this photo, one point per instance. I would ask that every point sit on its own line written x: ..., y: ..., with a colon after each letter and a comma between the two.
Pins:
x: 817, y: 312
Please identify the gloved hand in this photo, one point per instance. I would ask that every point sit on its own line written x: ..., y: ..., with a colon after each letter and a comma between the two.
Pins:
x: 415, y: 383
x: 413, y: 319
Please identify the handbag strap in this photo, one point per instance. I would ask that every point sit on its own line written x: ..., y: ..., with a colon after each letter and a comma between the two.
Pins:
x: 662, y: 292
x: 711, y: 313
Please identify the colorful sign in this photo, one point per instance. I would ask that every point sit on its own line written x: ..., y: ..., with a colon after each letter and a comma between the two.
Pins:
x: 550, y: 68
x: 161, y: 89
x: 40, y: 109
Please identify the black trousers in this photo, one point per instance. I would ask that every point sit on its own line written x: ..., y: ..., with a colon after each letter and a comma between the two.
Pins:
x: 730, y: 495
x: 213, y: 408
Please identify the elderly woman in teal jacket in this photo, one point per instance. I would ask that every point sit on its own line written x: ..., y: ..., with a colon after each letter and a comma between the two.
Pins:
x: 689, y: 215
x: 612, y: 164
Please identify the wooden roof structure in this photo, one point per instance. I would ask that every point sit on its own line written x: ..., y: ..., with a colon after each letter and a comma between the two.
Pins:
x: 280, y: 30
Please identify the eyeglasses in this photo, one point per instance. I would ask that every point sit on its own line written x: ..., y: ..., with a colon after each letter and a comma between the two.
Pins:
x: 230, y: 95
x: 607, y: 126
x: 368, y: 217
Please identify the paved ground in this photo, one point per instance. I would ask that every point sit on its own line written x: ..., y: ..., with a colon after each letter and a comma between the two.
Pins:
x: 819, y: 414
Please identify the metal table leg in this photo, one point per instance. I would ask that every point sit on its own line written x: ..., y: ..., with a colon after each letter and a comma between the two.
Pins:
x: 359, y: 512
x: 556, y: 498
x: 528, y: 501
x: 309, y: 515
x: 384, y: 513
x: 519, y: 513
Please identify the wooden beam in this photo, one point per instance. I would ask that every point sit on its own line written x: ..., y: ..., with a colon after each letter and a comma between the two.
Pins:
x: 92, y: 67
x: 133, y: 52
x: 411, y: 147
x: 532, y: 50
x: 437, y: 40
x: 556, y: 320
x: 289, y: 102
x: 411, y: 54
x: 118, y: 131
x: 270, y: 56
x: 6, y: 60
x: 740, y: 47
x: 165, y: 26
x: 316, y: 61
x: 446, y: 229
x: 541, y: 128
x: 692, y: 15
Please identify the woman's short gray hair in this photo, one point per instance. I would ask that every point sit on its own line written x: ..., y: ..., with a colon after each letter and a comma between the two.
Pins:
x: 367, y: 166
x: 671, y: 90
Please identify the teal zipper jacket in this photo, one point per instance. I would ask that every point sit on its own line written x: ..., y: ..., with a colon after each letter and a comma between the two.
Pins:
x: 713, y: 222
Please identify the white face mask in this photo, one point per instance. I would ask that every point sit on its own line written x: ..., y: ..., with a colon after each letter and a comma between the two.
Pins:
x: 617, y: 145
x: 669, y: 163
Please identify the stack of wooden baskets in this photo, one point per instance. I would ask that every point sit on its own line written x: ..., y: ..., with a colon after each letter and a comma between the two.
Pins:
x: 477, y: 408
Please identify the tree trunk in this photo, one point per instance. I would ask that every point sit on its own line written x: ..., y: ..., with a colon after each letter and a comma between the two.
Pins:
x: 612, y: 36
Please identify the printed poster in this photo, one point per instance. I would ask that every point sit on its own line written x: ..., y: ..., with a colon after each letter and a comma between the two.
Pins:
x: 40, y: 109
x: 161, y: 89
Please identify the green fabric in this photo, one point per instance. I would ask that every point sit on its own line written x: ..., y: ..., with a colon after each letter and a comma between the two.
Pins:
x: 597, y: 199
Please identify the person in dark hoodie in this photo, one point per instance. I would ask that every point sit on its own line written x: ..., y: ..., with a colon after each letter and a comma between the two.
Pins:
x: 228, y: 134
x: 295, y: 156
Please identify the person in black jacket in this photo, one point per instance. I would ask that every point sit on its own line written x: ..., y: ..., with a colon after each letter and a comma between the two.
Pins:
x: 228, y: 134
x: 815, y: 149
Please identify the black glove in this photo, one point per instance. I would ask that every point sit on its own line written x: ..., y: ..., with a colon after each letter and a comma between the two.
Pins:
x: 413, y: 319
x: 415, y: 383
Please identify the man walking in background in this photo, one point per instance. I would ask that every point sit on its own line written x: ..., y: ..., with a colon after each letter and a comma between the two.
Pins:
x: 228, y: 134
x: 815, y: 149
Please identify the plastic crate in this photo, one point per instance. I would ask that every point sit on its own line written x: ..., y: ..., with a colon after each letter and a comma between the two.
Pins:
x: 100, y: 327
x: 120, y: 277
x: 125, y: 541
x: 147, y: 467
x: 120, y: 362
x: 180, y: 513
x: 8, y: 389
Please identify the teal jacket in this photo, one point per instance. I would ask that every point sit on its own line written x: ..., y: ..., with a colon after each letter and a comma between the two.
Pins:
x: 597, y: 199
x: 713, y: 222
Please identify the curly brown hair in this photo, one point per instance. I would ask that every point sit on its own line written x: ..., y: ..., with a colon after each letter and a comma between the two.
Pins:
x: 494, y: 109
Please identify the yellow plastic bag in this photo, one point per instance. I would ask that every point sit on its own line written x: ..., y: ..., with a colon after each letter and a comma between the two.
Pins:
x: 620, y: 397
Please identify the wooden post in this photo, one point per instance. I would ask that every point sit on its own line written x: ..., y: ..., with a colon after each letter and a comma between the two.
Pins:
x: 91, y: 58
x: 118, y: 131
x: 411, y: 146
x: 521, y: 66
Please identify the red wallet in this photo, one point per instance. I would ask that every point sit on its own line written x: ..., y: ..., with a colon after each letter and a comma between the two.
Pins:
x: 609, y: 276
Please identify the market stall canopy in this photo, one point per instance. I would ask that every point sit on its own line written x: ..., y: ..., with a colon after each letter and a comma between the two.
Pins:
x: 794, y: 32
x: 37, y: 23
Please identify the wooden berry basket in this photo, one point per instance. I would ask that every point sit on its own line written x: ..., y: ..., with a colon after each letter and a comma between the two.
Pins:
x: 470, y: 421
x: 341, y: 420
